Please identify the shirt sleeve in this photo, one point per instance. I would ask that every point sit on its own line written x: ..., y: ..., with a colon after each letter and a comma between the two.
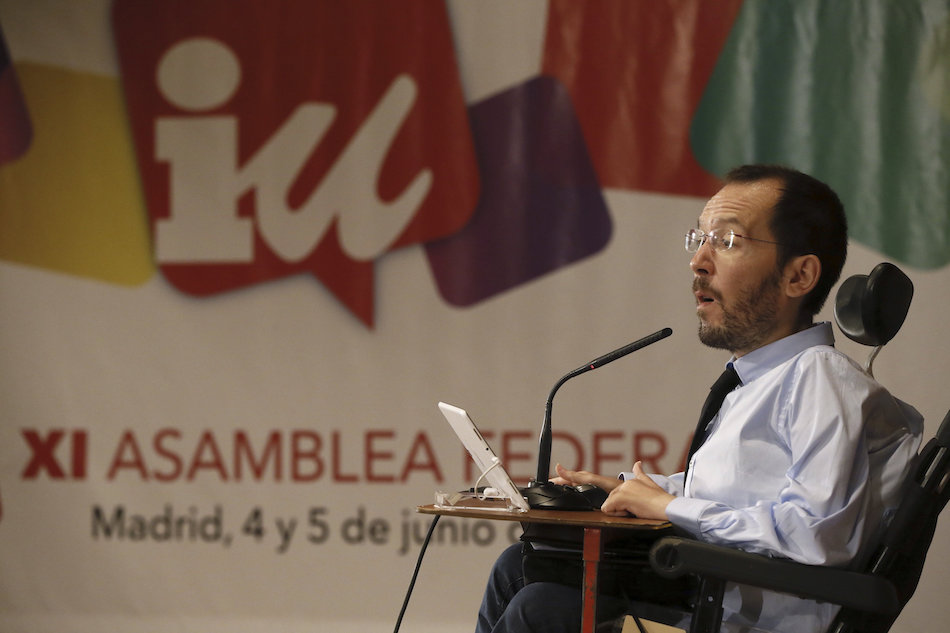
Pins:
x: 673, y: 484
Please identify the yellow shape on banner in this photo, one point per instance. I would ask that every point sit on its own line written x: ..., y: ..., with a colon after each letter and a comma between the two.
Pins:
x: 73, y: 203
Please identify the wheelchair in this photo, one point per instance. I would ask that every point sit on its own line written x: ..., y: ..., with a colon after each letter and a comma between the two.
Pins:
x: 869, y: 309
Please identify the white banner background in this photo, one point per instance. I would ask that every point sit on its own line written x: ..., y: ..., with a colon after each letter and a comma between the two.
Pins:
x: 286, y: 356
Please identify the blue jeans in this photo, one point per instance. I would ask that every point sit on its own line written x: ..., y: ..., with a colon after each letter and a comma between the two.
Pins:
x: 510, y: 606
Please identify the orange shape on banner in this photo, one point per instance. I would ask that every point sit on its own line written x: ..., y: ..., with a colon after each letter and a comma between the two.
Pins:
x: 72, y: 203
x: 636, y: 70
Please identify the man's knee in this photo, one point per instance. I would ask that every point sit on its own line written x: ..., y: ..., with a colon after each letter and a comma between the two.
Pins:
x: 545, y: 608
x: 507, y: 568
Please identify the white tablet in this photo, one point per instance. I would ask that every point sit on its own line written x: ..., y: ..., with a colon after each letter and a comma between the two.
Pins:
x: 490, y: 467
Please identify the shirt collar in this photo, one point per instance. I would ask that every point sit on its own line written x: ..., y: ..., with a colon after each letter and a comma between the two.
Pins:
x: 763, y: 359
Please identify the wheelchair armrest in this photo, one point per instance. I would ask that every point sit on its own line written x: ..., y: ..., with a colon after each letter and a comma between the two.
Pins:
x: 672, y: 557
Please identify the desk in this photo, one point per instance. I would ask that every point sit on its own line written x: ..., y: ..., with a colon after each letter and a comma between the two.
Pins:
x: 592, y: 522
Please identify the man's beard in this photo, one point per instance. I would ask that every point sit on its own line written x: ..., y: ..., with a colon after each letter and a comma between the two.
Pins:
x: 751, y: 320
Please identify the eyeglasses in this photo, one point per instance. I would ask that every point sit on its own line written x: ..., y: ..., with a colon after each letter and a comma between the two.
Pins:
x: 696, y: 238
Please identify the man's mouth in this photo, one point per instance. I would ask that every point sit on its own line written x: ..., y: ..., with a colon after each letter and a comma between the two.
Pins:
x: 704, y: 295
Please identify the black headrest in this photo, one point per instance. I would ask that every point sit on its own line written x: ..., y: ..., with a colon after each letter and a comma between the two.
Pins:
x: 870, y: 309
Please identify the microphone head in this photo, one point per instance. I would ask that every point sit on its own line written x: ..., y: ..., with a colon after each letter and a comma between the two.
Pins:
x: 630, y: 348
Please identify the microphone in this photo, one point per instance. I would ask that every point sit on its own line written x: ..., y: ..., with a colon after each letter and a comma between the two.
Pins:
x: 544, y: 448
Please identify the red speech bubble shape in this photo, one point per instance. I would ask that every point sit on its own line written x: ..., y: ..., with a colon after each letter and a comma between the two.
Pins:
x: 275, y: 138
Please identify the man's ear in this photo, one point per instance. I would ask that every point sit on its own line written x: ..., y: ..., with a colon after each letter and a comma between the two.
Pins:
x: 801, y: 275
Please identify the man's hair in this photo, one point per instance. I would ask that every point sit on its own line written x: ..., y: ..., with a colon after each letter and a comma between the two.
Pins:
x: 807, y: 219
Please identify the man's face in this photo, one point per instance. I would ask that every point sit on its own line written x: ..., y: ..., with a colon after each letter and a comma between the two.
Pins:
x: 738, y: 291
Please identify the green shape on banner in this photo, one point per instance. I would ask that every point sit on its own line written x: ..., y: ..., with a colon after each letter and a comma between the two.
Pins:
x: 856, y: 93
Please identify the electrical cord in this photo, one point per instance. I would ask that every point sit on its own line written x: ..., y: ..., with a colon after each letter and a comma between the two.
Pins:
x: 415, y: 573
x: 636, y: 620
x: 478, y: 481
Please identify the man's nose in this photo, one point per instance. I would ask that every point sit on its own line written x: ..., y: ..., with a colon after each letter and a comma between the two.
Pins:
x: 702, y: 262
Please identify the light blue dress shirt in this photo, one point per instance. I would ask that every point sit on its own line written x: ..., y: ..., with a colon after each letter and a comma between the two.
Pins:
x: 802, y: 461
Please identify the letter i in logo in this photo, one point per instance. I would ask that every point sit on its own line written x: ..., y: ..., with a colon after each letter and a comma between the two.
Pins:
x: 44, y: 456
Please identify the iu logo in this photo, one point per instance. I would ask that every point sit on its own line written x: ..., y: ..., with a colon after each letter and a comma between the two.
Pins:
x: 275, y: 138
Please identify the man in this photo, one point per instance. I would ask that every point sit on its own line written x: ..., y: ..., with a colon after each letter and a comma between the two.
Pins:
x: 803, y: 458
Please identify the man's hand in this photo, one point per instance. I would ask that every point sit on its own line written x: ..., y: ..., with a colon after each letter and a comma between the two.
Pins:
x: 640, y: 496
x: 577, y: 477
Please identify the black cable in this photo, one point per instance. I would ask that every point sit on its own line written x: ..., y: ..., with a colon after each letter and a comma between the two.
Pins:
x: 637, y: 621
x: 415, y: 573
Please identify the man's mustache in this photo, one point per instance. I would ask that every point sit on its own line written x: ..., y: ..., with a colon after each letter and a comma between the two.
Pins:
x: 702, y: 284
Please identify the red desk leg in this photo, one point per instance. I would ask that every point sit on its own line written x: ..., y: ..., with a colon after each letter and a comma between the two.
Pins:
x: 593, y: 549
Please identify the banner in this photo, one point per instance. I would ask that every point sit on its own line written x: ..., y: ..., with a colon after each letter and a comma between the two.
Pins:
x: 246, y: 247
